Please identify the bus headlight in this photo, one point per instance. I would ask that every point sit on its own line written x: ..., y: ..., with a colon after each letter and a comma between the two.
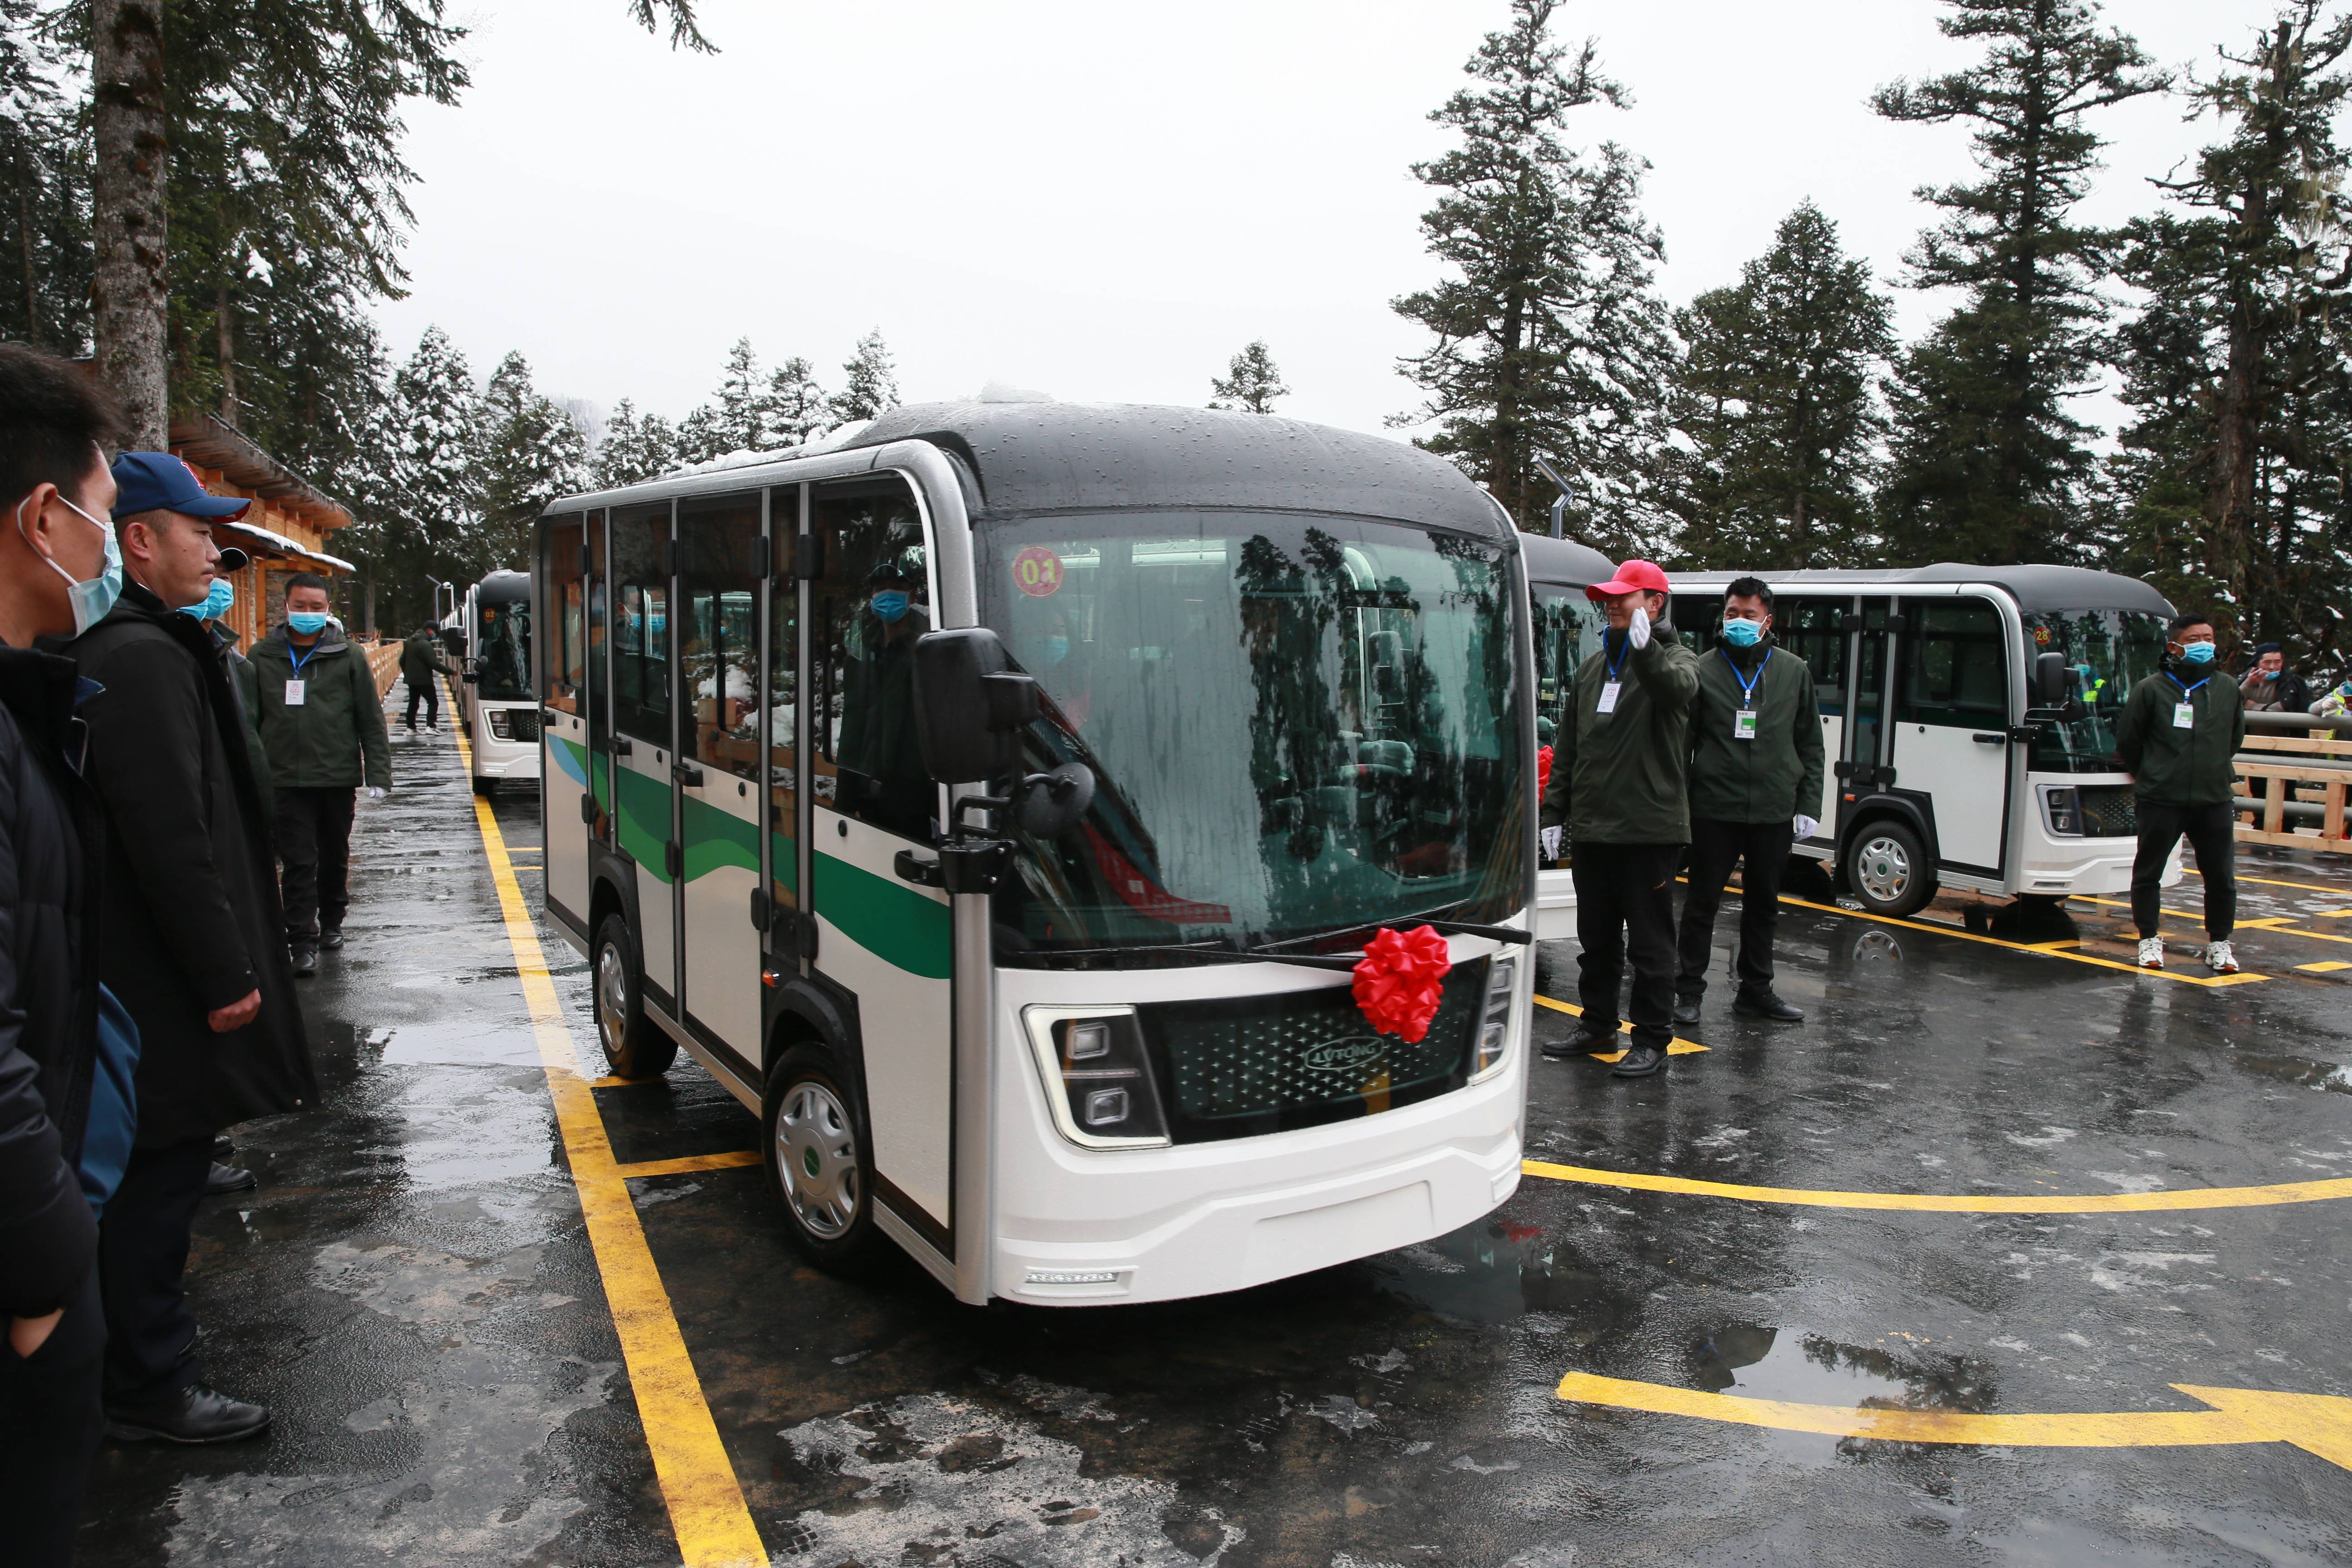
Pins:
x: 1097, y: 1076
x: 2061, y: 811
x: 1494, y: 1022
x: 501, y: 723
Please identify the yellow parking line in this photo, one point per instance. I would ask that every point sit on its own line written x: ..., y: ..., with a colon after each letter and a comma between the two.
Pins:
x: 707, y: 1512
x: 1677, y: 1048
x: 2325, y: 966
x: 2050, y: 949
x: 726, y: 1162
x: 2273, y: 882
x: 1961, y: 1202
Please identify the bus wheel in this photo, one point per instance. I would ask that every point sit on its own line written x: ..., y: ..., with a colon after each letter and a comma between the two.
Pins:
x: 817, y: 1161
x: 1890, y: 873
x: 633, y: 1045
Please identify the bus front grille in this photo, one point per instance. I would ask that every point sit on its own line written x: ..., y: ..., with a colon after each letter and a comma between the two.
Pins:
x: 2108, y: 811
x: 1251, y: 1065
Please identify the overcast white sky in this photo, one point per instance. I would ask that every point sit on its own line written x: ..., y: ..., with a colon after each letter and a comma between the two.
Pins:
x: 1106, y: 202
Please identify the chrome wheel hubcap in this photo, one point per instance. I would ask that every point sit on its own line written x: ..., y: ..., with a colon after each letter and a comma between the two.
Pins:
x: 612, y: 1000
x: 816, y: 1156
x: 1884, y: 870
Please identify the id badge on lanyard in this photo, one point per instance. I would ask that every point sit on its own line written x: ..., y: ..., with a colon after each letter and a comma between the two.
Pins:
x: 1743, y: 724
x: 2184, y: 716
x: 1608, y: 703
x: 295, y: 687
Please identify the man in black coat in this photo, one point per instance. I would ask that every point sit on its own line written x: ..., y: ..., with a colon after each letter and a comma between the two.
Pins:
x: 65, y: 1110
x: 196, y: 946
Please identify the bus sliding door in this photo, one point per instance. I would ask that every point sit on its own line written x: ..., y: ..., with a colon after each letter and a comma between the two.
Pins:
x: 565, y: 820
x: 1950, y: 733
x: 643, y: 742
x: 1867, y: 766
x: 1814, y: 630
x: 721, y: 563
x: 882, y: 936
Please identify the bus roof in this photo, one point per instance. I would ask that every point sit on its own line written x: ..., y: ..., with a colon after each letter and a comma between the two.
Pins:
x: 1553, y: 560
x: 1028, y: 458
x: 503, y: 586
x: 2033, y: 587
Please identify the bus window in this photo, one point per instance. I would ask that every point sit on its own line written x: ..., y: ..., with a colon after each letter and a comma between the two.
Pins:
x: 874, y: 602
x: 641, y: 623
x: 2110, y: 651
x: 718, y: 659
x: 564, y: 652
x: 1956, y: 665
x: 1811, y: 629
x: 1567, y: 627
x: 502, y: 650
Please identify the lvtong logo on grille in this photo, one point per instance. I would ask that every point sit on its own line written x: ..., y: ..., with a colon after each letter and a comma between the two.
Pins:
x: 1340, y: 1056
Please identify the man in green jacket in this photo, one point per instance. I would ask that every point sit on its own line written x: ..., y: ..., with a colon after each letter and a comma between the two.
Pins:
x: 420, y: 659
x: 1755, y: 779
x: 2180, y: 731
x: 321, y: 723
x: 1617, y: 786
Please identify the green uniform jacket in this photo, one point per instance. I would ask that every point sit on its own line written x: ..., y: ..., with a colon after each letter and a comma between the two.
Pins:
x: 2172, y: 766
x: 1774, y: 776
x: 320, y: 744
x: 249, y: 697
x: 1618, y: 778
x: 419, y: 658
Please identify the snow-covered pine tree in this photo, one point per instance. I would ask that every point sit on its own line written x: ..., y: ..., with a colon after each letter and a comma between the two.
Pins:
x: 436, y: 427
x: 533, y: 453
x: 1552, y: 340
x: 869, y: 382
x: 794, y: 408
x: 1778, y: 391
x: 636, y: 447
x: 1989, y: 460
x: 1250, y: 384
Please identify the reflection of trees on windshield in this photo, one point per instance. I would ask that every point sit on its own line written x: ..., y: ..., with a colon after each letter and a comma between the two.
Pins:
x: 2110, y: 651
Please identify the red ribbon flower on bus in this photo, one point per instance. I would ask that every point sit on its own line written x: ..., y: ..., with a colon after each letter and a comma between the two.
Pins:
x: 1400, y: 979
x: 1543, y: 770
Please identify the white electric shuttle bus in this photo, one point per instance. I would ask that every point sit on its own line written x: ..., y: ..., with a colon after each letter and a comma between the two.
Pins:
x: 1969, y: 714
x: 996, y: 797
x: 497, y: 702
x: 1568, y: 626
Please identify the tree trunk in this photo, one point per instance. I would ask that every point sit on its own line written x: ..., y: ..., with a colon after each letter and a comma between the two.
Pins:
x: 227, y: 354
x: 32, y: 278
x: 127, y: 212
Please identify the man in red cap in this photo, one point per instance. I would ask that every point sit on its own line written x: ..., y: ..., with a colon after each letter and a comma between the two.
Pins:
x: 1617, y: 786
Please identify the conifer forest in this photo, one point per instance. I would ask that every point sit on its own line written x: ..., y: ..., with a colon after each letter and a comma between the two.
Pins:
x: 208, y: 197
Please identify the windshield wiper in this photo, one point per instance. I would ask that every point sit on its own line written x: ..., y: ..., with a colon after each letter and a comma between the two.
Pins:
x: 1407, y: 922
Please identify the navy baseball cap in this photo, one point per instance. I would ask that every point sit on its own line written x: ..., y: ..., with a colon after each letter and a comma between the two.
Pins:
x: 158, y: 482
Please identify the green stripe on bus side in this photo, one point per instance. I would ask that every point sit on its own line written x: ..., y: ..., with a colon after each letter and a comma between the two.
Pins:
x: 787, y: 862
x: 645, y: 820
x: 715, y: 837
x: 889, y: 920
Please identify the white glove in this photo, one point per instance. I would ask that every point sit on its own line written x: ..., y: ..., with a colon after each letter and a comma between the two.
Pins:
x: 1551, y: 843
x: 1806, y: 827
x: 1638, y: 631
x: 375, y: 792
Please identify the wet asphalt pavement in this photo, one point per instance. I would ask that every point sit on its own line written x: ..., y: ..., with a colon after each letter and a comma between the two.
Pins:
x: 411, y: 1288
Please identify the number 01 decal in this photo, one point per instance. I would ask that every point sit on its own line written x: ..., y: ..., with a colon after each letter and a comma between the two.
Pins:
x: 1037, y: 571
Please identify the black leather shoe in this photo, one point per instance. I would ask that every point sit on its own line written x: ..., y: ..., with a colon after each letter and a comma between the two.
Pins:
x: 1767, y: 1004
x: 331, y: 938
x: 223, y: 1145
x: 306, y: 960
x: 226, y: 1179
x: 1584, y: 1042
x: 192, y: 1414
x: 1685, y: 1009
x: 1640, y: 1061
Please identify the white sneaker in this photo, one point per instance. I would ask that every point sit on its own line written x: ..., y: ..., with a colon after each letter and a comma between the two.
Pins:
x: 2151, y: 952
x: 2221, y: 958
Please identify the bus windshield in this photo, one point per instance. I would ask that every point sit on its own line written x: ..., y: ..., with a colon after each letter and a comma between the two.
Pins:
x: 502, y: 658
x: 1298, y: 726
x: 1568, y: 626
x: 2111, y: 652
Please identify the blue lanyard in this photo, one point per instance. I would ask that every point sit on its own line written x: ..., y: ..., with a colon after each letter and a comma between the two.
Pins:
x: 2186, y: 691
x: 1747, y: 686
x: 1621, y: 659
x: 303, y: 658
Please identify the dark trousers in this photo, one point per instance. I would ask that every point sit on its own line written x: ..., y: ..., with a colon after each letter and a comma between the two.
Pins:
x: 2212, y: 834
x: 314, y: 857
x: 1625, y: 904
x: 49, y: 1426
x: 1716, y: 847
x: 428, y: 693
x: 143, y: 1256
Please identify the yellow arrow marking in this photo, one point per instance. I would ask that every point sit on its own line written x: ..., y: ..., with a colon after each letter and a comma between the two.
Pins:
x: 1961, y: 1202
x: 2316, y: 1423
x: 1678, y: 1048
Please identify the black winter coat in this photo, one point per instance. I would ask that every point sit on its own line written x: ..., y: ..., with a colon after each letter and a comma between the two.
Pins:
x: 50, y: 839
x: 193, y: 918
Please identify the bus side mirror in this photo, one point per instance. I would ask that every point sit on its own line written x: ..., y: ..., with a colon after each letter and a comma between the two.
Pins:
x: 2053, y: 680
x: 970, y: 705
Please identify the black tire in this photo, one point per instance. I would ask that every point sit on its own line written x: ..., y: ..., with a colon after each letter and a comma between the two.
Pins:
x: 817, y: 1151
x: 1888, y: 869
x: 635, y: 1045
x: 485, y: 788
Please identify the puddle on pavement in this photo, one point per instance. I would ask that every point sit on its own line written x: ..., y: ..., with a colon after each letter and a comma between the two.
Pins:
x: 2300, y: 1071
x: 1496, y: 1271
x: 1790, y: 1363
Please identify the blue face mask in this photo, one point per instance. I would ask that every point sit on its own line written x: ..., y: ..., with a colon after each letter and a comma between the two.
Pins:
x: 216, y: 604
x: 2196, y: 652
x: 1057, y: 649
x: 93, y: 598
x: 1742, y: 633
x: 306, y: 623
x: 890, y: 604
